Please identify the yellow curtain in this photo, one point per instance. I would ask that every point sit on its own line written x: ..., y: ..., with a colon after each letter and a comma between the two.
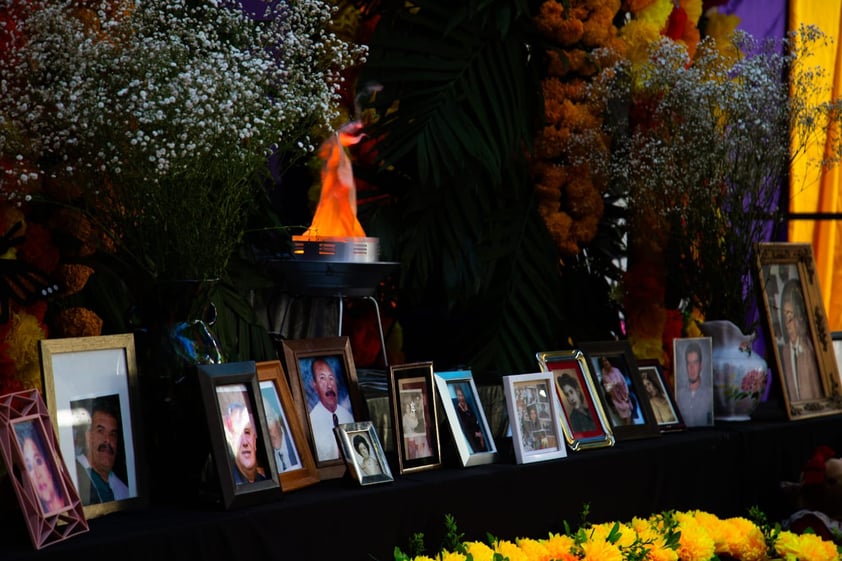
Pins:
x: 810, y: 189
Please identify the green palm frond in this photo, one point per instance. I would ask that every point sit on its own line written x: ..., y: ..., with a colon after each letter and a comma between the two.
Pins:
x: 455, y: 88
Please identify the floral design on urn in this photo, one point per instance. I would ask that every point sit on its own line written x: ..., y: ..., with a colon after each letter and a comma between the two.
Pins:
x: 739, y: 374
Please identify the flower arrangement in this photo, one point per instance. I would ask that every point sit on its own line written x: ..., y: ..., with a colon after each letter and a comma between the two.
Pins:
x: 703, y: 139
x: 671, y: 536
x: 157, y: 118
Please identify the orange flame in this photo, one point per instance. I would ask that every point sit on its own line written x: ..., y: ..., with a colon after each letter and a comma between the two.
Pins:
x: 336, y: 213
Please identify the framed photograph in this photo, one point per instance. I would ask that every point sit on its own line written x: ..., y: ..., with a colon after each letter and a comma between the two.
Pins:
x: 660, y: 396
x: 836, y: 337
x: 414, y: 416
x: 291, y: 453
x: 363, y: 452
x: 693, y: 380
x: 617, y: 378
x: 534, y: 417
x: 466, y: 417
x: 44, y: 488
x: 240, y: 443
x: 91, y: 390
x: 803, y: 350
x: 324, y: 387
x: 583, y: 420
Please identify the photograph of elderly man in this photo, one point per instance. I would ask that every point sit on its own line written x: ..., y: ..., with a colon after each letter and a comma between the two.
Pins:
x: 328, y: 402
x: 100, y: 458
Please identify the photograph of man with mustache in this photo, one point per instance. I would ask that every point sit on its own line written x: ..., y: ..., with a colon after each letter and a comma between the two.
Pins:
x: 328, y: 411
x: 97, y: 481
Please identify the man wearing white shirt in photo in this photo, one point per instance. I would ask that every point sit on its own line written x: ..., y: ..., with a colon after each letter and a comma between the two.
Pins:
x: 283, y: 450
x: 327, y: 413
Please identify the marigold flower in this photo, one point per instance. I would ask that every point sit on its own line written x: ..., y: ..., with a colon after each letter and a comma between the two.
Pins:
x: 534, y: 550
x: 78, y: 322
x: 73, y: 277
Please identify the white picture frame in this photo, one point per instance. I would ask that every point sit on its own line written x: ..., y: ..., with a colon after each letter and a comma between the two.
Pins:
x: 534, y: 417
x: 475, y: 446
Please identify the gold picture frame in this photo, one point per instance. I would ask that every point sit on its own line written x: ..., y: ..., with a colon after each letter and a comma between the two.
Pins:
x: 96, y: 377
x: 584, y: 424
x: 800, y: 340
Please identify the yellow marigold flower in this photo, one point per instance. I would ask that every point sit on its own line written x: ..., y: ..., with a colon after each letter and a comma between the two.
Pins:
x: 559, y: 546
x: 657, y: 13
x: 695, y: 543
x: 511, y: 551
x: 423, y: 558
x: 452, y: 556
x: 600, y: 550
x: 648, y: 532
x: 639, y: 36
x: 720, y: 27
x: 479, y: 551
x: 747, y: 541
x: 805, y: 547
x: 534, y: 550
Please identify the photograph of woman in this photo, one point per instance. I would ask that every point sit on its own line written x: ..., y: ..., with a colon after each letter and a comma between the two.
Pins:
x: 575, y: 406
x: 40, y: 469
x: 622, y: 405
x: 661, y: 407
x: 368, y: 463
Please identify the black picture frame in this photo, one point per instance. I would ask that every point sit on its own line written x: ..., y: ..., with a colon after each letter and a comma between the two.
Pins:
x: 412, y: 395
x: 640, y: 422
x: 226, y: 389
x: 666, y: 412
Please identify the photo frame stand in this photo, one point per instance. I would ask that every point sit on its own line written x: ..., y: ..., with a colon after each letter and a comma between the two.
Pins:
x: 44, y: 529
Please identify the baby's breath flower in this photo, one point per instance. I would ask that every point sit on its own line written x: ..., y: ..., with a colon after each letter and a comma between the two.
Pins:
x: 174, y: 106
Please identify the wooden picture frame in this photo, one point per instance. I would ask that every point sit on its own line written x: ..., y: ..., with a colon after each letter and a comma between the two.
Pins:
x: 583, y: 420
x: 534, y: 417
x: 42, y: 483
x: 468, y: 424
x: 693, y: 359
x: 412, y: 395
x: 793, y: 306
x: 240, y: 446
x: 92, y: 393
x: 660, y: 396
x: 333, y: 356
x: 291, y: 452
x: 363, y: 452
x: 614, y: 370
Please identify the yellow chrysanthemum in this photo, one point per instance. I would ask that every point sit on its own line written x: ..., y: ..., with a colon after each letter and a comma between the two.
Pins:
x: 746, y: 541
x: 479, y: 551
x: 600, y: 550
x: 639, y: 36
x: 423, y: 558
x: 657, y: 548
x: 720, y: 27
x: 452, y: 556
x: 695, y: 543
x: 511, y: 551
x: 559, y: 546
x: 805, y: 547
x: 657, y: 13
x: 534, y: 550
